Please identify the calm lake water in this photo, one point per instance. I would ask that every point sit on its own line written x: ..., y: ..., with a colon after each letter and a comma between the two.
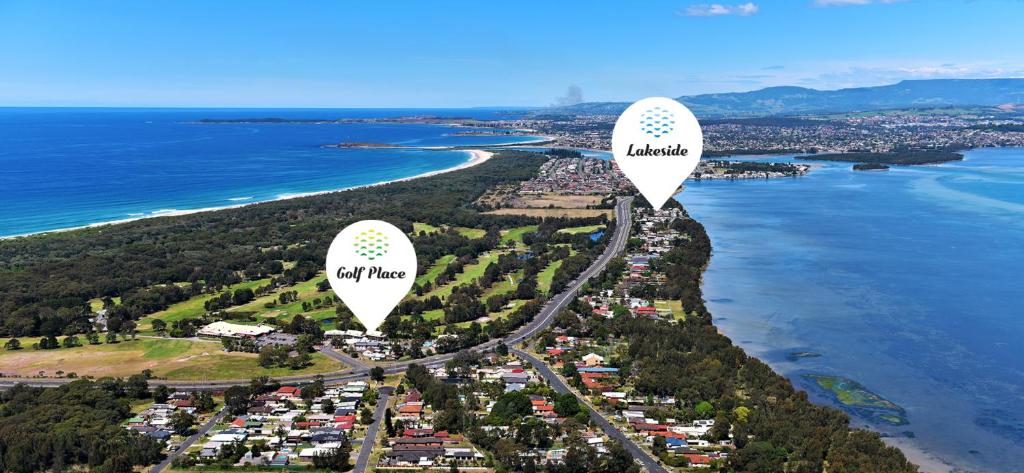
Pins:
x: 908, y: 281
x: 62, y: 168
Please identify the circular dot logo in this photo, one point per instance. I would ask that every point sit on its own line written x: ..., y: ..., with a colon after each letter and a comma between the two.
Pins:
x: 657, y: 122
x: 371, y: 244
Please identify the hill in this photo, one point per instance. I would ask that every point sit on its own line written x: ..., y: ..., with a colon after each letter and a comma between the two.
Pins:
x: 801, y: 100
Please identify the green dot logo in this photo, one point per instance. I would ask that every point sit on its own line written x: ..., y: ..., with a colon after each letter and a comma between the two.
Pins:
x: 371, y: 244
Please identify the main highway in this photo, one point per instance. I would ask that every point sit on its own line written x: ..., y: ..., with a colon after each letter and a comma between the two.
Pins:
x: 360, y: 370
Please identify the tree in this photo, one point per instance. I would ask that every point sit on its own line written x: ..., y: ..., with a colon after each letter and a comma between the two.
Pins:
x: 510, y: 406
x: 328, y: 406
x: 365, y: 416
x: 659, y: 446
x: 12, y: 344
x: 236, y: 398
x: 742, y: 413
x: 619, y: 459
x: 203, y: 401
x: 182, y: 422
x: 268, y: 356
x: 453, y: 467
x: 161, y: 393
x: 389, y: 426
x: 377, y: 374
x: 159, y: 326
x: 70, y: 341
x: 566, y: 405
x: 335, y: 459
x: 48, y: 343
x: 111, y: 337
x: 501, y: 349
x: 137, y: 386
x: 84, y: 434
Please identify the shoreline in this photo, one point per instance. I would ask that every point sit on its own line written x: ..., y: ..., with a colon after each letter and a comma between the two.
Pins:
x: 476, y: 156
x: 928, y: 458
x: 928, y: 462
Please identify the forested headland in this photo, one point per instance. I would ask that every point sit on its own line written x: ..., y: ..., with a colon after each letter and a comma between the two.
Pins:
x: 47, y: 280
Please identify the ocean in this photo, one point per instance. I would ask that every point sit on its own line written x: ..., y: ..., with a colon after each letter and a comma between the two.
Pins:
x: 66, y: 168
x: 906, y: 281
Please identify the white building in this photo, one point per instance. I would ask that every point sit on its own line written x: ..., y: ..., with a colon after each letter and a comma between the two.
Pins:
x: 228, y: 329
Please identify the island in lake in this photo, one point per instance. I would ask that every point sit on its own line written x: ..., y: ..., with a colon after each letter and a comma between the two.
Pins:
x: 906, y: 157
x: 870, y: 167
x: 859, y: 400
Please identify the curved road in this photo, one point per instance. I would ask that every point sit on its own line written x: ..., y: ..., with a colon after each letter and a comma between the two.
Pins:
x: 623, y: 221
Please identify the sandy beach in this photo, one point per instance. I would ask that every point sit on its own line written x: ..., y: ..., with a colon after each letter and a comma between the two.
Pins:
x: 928, y: 462
x: 476, y: 156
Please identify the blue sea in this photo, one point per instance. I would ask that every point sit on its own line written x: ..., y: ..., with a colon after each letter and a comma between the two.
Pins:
x: 66, y: 168
x: 908, y: 281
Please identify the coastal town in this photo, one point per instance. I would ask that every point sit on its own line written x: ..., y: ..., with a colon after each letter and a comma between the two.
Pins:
x: 470, y: 412
x: 879, y: 132
x: 563, y: 393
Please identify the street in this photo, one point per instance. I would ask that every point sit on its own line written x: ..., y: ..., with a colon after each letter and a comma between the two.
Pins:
x: 637, y: 451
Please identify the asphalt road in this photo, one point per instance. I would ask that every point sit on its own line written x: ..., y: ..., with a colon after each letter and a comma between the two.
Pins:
x: 370, y: 439
x: 637, y: 451
x: 357, y: 365
x: 189, y: 441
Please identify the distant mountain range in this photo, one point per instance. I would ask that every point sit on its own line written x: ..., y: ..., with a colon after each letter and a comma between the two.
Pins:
x: 801, y: 100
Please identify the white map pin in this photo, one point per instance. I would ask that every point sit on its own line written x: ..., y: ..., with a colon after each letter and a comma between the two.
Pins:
x: 371, y: 266
x: 657, y: 143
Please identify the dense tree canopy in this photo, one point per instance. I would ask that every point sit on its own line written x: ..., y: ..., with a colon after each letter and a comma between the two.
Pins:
x: 76, y: 424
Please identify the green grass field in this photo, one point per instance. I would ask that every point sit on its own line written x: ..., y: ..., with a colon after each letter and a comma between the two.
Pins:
x: 471, y: 233
x: 192, y: 307
x: 435, y: 269
x: 470, y: 273
x: 436, y: 314
x: 516, y: 234
x: 179, y: 359
x: 418, y: 227
x: 307, y: 292
x: 503, y: 313
x: 97, y: 303
x: 546, y: 275
x: 586, y: 229
x: 507, y: 284
x: 675, y: 306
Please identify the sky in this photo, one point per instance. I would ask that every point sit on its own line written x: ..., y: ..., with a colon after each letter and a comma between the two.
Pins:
x: 440, y: 53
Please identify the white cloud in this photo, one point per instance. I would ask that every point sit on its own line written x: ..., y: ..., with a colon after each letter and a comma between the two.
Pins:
x: 718, y: 9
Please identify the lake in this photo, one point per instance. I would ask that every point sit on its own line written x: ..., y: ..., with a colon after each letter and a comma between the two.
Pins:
x: 906, y: 281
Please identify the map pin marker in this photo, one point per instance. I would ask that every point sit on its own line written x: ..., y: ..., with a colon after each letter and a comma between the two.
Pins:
x: 371, y: 266
x: 657, y: 143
